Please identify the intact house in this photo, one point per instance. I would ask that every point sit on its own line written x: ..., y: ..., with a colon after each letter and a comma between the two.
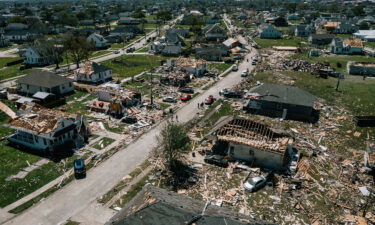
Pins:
x: 20, y: 35
x: 37, y: 56
x: 345, y: 28
x: 44, y: 81
x: 303, y: 30
x: 214, y: 32
x: 282, y: 101
x: 244, y: 139
x: 47, y: 130
x: 347, y: 47
x: 169, y: 45
x: 4, y: 42
x: 321, y: 39
x: 92, y: 73
x: 121, y: 33
x: 268, y: 32
x: 365, y: 35
x: 129, y: 21
x: 156, y: 206
x: 98, y: 40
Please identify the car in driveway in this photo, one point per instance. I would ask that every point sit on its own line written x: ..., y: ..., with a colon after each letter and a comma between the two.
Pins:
x: 187, y: 90
x: 217, y: 160
x: 79, y: 168
x: 209, y: 100
x: 232, y: 94
x: 255, y: 183
x: 170, y: 99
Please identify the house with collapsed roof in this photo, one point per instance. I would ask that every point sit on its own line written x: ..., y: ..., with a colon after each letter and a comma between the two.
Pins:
x: 114, y: 102
x: 175, y: 78
x: 47, y: 130
x: 246, y: 140
x: 196, y: 67
x: 370, y: 155
x: 282, y: 101
x: 44, y: 81
x: 158, y: 206
x: 92, y: 73
x: 365, y: 35
x: 347, y: 47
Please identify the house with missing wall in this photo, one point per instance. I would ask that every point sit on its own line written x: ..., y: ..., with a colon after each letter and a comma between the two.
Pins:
x: 44, y: 81
x: 347, y: 47
x: 246, y: 140
x: 196, y: 67
x: 282, y: 101
x: 92, y: 73
x: 47, y: 130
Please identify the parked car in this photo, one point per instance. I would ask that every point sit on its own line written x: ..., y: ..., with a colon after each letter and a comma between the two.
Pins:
x: 117, y: 52
x: 234, y: 68
x: 244, y: 73
x: 223, y: 91
x: 218, y: 160
x: 79, y: 168
x: 210, y: 100
x: 255, y: 183
x: 185, y: 97
x: 253, y: 62
x: 170, y: 99
x: 188, y: 90
x: 132, y: 49
x: 232, y: 94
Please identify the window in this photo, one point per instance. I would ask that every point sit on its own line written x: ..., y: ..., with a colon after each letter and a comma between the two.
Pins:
x: 231, y: 151
x: 44, y: 141
x: 70, y: 84
x: 251, y: 152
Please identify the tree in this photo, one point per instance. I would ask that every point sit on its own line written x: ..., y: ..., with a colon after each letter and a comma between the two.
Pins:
x: 138, y: 13
x: 78, y: 48
x: 164, y: 16
x: 364, y: 26
x: 173, y: 142
x: 358, y: 10
x: 55, y: 51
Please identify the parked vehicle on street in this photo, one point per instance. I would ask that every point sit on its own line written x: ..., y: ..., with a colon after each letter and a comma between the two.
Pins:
x: 170, y: 99
x: 244, y: 73
x: 217, y: 160
x: 117, y: 52
x: 234, y: 68
x: 185, y: 97
x: 255, y: 183
x: 232, y: 94
x: 188, y: 90
x: 223, y: 91
x: 210, y: 100
x: 79, y: 168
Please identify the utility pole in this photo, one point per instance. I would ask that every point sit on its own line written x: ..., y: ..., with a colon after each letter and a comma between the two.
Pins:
x: 339, y: 77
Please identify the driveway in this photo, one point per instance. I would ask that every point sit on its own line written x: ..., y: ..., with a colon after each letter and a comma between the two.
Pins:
x: 79, y: 194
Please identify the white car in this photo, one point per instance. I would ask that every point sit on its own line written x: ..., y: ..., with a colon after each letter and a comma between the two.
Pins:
x: 255, y: 183
x: 245, y: 73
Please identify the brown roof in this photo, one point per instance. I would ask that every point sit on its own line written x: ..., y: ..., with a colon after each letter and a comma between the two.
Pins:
x: 354, y: 43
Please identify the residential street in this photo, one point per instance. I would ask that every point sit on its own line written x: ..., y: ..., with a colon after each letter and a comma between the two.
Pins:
x: 77, y: 196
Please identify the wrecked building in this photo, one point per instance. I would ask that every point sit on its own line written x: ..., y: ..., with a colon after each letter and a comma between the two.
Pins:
x: 282, y: 101
x: 157, y: 206
x: 361, y: 68
x: 115, y: 102
x: 46, y: 129
x: 177, y: 79
x: 197, y: 67
x: 92, y: 73
x: 246, y: 140
x: 370, y: 156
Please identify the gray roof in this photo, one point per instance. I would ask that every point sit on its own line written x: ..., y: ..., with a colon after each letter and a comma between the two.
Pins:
x: 43, y: 79
x: 283, y: 94
x: 160, y: 207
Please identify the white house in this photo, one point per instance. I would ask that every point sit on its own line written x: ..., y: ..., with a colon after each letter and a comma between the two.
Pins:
x: 98, y: 40
x: 20, y: 35
x: 365, y: 35
x: 37, y: 56
x: 93, y: 73
x: 44, y: 81
x: 347, y: 47
x: 47, y: 130
x: 268, y: 32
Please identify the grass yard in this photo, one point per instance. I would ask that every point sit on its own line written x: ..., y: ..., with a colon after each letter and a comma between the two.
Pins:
x: 115, y: 129
x: 268, y: 43
x: 144, y: 49
x: 100, y: 53
x: 336, y: 61
x: 76, y: 95
x: 102, y: 143
x: 132, y: 65
x: 78, y: 106
x: 218, y: 67
x: 124, y: 45
x: 11, y: 71
x: 369, y: 44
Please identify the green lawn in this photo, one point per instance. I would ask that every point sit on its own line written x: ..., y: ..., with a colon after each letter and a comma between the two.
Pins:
x: 102, y: 143
x: 78, y: 106
x: 76, y: 95
x: 124, y: 45
x: 218, y: 67
x: 144, y: 49
x: 369, y: 44
x: 6, y: 48
x: 336, y: 61
x: 132, y: 64
x: 11, y: 71
x: 267, y: 43
x: 100, y: 53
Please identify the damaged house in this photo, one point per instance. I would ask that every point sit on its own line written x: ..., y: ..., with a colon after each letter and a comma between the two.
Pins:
x: 176, y: 78
x: 92, y: 73
x: 246, y: 140
x: 115, y: 102
x: 158, y: 206
x: 46, y: 129
x: 282, y: 101
x: 196, y: 67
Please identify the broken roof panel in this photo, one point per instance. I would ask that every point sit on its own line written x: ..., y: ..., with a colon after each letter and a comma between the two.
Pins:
x: 283, y: 94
